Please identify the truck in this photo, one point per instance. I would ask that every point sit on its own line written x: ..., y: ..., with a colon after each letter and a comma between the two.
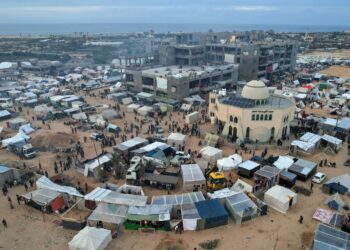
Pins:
x: 26, y: 150
x: 138, y: 166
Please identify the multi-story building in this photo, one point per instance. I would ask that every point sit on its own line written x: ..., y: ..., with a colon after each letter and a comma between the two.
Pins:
x: 181, y: 54
x: 178, y: 82
x: 253, y: 115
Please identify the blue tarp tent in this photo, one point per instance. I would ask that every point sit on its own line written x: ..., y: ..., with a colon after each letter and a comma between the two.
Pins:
x: 339, y: 184
x: 212, y: 212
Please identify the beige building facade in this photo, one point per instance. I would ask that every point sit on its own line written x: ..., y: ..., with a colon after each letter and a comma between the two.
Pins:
x: 254, y: 115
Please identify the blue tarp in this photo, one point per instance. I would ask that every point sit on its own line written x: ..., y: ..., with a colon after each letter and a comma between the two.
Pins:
x: 212, y: 212
x: 337, y: 187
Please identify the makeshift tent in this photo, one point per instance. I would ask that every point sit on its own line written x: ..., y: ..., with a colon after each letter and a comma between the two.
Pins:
x: 176, y: 139
x: 178, y: 199
x: 229, y: 163
x: 192, y: 176
x: 330, y: 238
x: 241, y: 186
x: 335, y: 202
x: 311, y: 138
x: 303, y: 146
x: 145, y: 110
x: 280, y: 198
x: 110, y: 114
x: 343, y: 125
x: 248, y: 168
x: 127, y: 101
x: 241, y: 208
x: 334, y: 142
x: 45, y: 183
x: 79, y: 116
x: 340, y: 184
x: 92, y: 167
x: 211, y: 154
x: 91, y: 238
x: 97, y: 194
x: 112, y: 128
x: 19, y: 140
x: 16, y: 122
x: 287, y: 179
x: 323, y: 215
x: 6, y: 174
x: 269, y: 174
x: 26, y: 129
x: 132, y: 107
x: 192, y: 118
x: 109, y: 213
x: 190, y: 217
x: 303, y: 168
x: 44, y: 200
x: 211, y: 140
x: 156, y: 216
x: 212, y: 212
x: 130, y: 189
x: 283, y: 162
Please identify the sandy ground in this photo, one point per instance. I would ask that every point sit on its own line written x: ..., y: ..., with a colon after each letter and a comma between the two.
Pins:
x: 337, y: 71
x: 343, y: 53
x: 29, y: 229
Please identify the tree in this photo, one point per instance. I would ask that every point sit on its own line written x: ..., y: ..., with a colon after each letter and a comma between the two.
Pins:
x: 119, y: 165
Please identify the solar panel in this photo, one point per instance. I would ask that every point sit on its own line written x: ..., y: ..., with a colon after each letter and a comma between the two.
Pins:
x: 239, y: 102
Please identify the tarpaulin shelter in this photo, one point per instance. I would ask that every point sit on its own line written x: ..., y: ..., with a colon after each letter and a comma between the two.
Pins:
x: 303, y: 146
x: 91, y: 238
x: 192, y: 175
x: 229, y: 163
x: 211, y: 140
x: 145, y: 110
x: 327, y: 237
x: 212, y: 212
x: 192, y: 118
x: 248, y: 168
x: 283, y: 162
x: 343, y: 125
x: 332, y: 141
x: 303, y: 169
x: 125, y: 199
x: 339, y: 184
x: 190, y: 217
x: 311, y: 138
x: 178, y: 199
x: 335, y: 202
x: 280, y: 198
x: 176, y: 139
x: 271, y: 174
x: 241, y: 208
x: 19, y: 140
x: 221, y: 194
x: 109, y: 213
x: 44, y: 200
x: 211, y: 154
x: 287, y: 179
x: 26, y: 129
x: 110, y: 114
x: 45, y: 183
x: 132, y: 107
x: 149, y: 216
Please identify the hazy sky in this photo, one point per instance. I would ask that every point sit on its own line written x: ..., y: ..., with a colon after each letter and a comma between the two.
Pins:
x: 294, y: 12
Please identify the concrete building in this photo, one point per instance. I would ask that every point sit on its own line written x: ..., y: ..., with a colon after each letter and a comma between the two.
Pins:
x: 255, y: 114
x: 182, y: 54
x: 178, y: 82
x: 257, y: 60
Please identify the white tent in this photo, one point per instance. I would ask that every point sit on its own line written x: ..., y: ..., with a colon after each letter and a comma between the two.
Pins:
x: 45, y: 183
x: 189, y: 216
x: 211, y: 154
x: 229, y: 163
x: 192, y: 175
x: 176, y: 139
x: 241, y: 186
x: 144, y: 110
x: 283, y: 162
x: 132, y: 107
x: 280, y: 198
x: 91, y: 238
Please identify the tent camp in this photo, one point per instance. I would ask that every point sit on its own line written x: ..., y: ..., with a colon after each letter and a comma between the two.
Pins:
x: 192, y: 118
x: 268, y: 175
x: 176, y: 139
x: 229, y: 163
x: 26, y: 129
x: 144, y: 110
x: 241, y: 208
x: 211, y: 154
x: 335, y: 202
x: 280, y: 198
x: 91, y: 238
x: 190, y: 217
x: 212, y: 213
x: 8, y: 174
x: 283, y: 162
x: 241, y: 186
x: 192, y: 175
x: 132, y: 107
x: 303, y: 169
x: 248, y: 168
x: 332, y: 142
x: 287, y: 179
x: 340, y: 184
x: 149, y: 216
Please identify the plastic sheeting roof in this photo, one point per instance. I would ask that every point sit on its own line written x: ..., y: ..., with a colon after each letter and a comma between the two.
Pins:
x: 91, y: 165
x: 131, y: 143
x: 310, y: 138
x: 178, y: 199
x: 331, y: 238
x: 192, y: 172
x: 332, y: 139
x: 42, y: 196
x: 211, y: 209
x: 229, y: 163
x: 45, y: 183
x: 241, y: 186
x: 110, y: 213
x: 280, y: 193
x: 97, y: 194
x: 240, y: 202
x: 223, y: 193
x: 159, y: 212
x: 306, y: 146
x: 283, y: 162
x: 19, y: 137
x: 26, y: 129
x: 303, y: 166
x: 268, y: 172
x: 249, y: 165
x: 125, y: 199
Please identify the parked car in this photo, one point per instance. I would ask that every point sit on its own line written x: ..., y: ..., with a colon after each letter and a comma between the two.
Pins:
x: 159, y: 130
x: 97, y: 136
x: 319, y: 177
x: 182, y: 155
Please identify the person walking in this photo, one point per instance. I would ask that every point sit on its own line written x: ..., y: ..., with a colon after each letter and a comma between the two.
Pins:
x: 311, y: 186
x: 4, y: 223
x: 301, y: 218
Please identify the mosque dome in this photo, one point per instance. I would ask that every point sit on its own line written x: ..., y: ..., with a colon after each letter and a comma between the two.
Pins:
x: 255, y: 90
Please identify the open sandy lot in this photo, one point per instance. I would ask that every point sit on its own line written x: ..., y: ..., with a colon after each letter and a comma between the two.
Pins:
x: 337, y: 71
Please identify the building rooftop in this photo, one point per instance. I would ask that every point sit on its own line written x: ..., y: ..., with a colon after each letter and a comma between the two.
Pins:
x: 184, y: 71
x: 241, y: 102
x: 255, y: 90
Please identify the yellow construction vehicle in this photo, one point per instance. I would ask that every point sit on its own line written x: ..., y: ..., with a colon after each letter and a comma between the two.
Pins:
x: 216, y: 181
